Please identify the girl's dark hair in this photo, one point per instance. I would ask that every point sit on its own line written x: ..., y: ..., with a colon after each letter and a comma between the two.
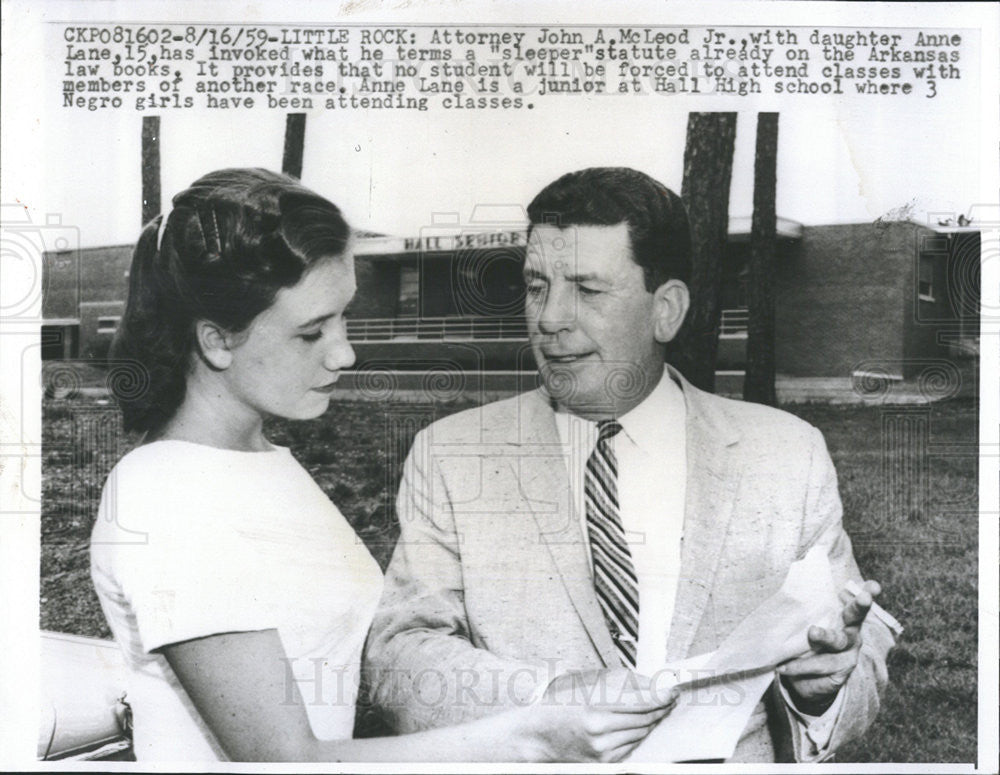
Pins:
x: 231, y: 242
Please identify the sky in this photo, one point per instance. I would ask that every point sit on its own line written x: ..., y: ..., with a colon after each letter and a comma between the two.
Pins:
x: 398, y: 174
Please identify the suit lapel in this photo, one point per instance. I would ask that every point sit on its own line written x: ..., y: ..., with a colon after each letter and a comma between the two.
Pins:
x: 712, y: 478
x: 541, y: 471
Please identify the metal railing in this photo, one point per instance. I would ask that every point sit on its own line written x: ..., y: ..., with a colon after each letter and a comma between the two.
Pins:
x: 108, y: 324
x: 440, y: 329
x: 734, y: 322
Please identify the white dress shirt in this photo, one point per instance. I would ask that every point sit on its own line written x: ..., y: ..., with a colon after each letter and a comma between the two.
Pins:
x: 651, y: 451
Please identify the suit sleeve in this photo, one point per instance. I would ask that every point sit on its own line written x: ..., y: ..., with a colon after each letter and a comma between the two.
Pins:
x: 421, y: 664
x: 862, y: 693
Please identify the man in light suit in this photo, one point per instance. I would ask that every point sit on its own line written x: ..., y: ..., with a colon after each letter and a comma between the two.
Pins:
x: 618, y: 515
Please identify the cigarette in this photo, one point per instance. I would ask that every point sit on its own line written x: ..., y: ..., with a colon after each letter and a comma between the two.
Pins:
x: 876, y: 610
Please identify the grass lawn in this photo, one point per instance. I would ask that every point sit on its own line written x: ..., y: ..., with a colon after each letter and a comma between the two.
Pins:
x: 908, y: 479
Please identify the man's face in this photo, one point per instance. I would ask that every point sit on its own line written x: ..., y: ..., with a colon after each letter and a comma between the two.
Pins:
x: 591, y: 321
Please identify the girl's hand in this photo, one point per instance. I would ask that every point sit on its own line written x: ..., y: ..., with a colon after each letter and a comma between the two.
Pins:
x: 594, y: 716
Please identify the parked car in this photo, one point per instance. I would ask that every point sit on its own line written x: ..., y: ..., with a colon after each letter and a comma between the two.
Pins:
x: 85, y: 715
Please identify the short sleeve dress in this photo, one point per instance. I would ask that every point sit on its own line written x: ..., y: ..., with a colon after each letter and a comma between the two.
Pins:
x: 192, y: 540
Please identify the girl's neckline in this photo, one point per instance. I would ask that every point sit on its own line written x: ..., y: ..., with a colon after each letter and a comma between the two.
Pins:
x: 274, y: 447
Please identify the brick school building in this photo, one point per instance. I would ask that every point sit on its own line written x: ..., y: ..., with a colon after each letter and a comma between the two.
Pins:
x: 851, y: 299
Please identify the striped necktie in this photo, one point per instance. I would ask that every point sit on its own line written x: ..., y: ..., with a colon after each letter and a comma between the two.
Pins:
x: 614, y: 574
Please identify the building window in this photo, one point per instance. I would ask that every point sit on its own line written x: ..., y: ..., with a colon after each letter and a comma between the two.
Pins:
x: 925, y: 279
x: 409, y: 291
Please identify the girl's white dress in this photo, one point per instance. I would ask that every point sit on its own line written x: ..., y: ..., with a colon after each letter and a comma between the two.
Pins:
x: 192, y: 540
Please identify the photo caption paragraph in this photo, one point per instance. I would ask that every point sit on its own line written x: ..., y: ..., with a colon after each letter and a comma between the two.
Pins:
x: 336, y: 68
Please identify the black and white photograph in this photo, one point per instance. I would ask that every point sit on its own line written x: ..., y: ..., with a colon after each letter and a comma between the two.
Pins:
x: 459, y: 387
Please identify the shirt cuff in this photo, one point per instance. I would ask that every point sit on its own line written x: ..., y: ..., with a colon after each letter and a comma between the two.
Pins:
x: 813, y: 732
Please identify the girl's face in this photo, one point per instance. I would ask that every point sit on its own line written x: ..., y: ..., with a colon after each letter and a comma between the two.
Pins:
x: 287, y: 361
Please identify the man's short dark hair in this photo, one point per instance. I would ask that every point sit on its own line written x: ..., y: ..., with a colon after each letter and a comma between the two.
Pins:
x: 606, y: 196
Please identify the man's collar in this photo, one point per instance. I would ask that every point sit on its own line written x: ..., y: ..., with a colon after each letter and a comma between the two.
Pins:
x: 707, y: 422
x: 644, y: 423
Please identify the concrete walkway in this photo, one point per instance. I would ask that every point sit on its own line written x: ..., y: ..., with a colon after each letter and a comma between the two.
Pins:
x: 446, y: 386
x: 936, y: 386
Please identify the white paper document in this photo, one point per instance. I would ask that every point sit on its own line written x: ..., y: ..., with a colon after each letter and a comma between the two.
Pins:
x: 721, y: 689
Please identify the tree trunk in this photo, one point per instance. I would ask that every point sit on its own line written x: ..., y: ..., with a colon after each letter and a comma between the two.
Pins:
x: 295, y: 138
x: 708, y: 167
x: 758, y: 384
x: 150, y: 168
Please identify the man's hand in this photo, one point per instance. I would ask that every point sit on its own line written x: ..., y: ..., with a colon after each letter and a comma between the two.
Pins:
x: 813, y: 680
